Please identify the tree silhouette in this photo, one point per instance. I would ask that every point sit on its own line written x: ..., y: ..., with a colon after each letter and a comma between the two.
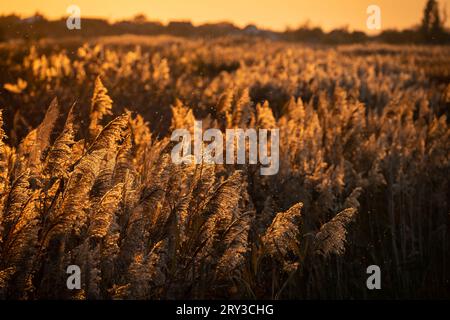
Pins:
x: 432, y: 24
x: 140, y: 18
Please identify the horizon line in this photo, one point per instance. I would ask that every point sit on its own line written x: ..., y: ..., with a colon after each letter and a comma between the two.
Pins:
x: 305, y: 24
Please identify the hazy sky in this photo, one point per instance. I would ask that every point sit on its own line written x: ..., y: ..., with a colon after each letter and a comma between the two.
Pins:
x: 275, y: 14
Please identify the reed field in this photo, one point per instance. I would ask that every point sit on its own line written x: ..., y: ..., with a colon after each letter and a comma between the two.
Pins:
x: 86, y: 176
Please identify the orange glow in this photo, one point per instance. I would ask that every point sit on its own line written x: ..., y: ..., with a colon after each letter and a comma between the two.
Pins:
x: 274, y: 14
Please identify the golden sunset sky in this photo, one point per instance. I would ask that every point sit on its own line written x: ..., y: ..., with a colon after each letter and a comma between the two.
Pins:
x: 274, y: 14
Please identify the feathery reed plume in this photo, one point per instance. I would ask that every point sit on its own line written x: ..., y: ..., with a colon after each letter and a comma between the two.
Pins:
x: 38, y: 140
x: 264, y: 116
x: 5, y: 276
x: 182, y: 116
x: 225, y: 102
x: 72, y: 215
x: 221, y: 209
x: 225, y: 108
x: 281, y: 239
x: 101, y: 105
x: 16, y: 87
x: 242, y: 110
x: 20, y: 232
x: 157, y: 263
x: 332, y: 235
x: 16, y: 200
x: 237, y: 247
x: 103, y: 215
x: 60, y: 155
x: 112, y: 134
x: 352, y: 200
x: 148, y: 274
x: 141, y: 136
x: 124, y: 161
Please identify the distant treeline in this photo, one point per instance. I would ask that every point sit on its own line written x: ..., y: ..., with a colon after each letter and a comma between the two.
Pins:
x: 37, y: 27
